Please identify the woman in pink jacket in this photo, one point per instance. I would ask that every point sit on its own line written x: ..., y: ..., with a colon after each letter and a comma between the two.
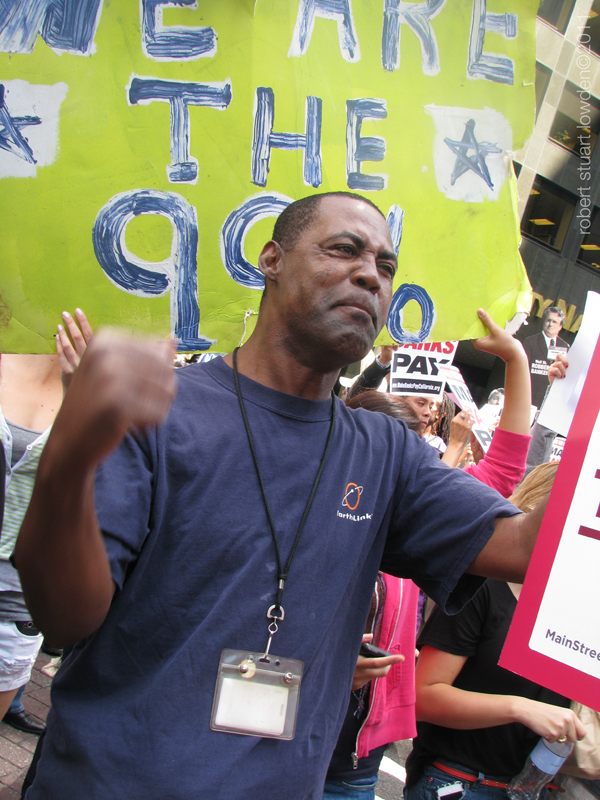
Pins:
x: 382, y: 703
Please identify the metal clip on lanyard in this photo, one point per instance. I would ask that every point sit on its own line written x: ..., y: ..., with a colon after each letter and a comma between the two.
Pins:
x: 273, y: 628
x: 276, y: 613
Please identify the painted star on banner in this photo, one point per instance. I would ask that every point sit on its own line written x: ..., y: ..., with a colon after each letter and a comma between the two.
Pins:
x: 476, y: 162
x: 11, y: 138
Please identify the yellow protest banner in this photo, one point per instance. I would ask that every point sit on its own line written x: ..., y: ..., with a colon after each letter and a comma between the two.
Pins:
x: 145, y: 149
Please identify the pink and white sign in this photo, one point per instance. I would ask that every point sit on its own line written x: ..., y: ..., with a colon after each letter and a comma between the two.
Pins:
x: 459, y: 392
x: 554, y: 638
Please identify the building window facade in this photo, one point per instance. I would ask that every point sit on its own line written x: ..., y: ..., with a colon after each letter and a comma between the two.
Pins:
x: 548, y: 213
x: 577, y: 121
x: 589, y: 252
x: 590, y: 37
x: 542, y: 79
x: 556, y: 12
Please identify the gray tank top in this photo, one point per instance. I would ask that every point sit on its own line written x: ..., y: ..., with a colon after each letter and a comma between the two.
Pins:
x: 21, y: 438
x: 12, y: 604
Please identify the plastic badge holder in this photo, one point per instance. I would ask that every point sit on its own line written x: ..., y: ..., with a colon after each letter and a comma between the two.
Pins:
x: 256, y: 696
x: 554, y: 352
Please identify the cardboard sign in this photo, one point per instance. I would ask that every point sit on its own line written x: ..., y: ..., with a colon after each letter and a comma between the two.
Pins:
x: 417, y: 370
x: 459, y: 392
x: 490, y: 414
x: 148, y: 146
x: 563, y: 397
x: 554, y: 638
x: 557, y: 448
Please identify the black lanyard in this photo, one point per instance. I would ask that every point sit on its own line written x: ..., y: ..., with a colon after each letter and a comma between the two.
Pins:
x: 275, y: 612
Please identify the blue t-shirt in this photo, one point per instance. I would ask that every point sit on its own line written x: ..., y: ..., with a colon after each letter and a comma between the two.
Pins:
x: 193, y: 559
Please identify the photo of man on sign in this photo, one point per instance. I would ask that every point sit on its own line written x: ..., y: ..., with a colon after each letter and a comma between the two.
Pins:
x: 542, y: 350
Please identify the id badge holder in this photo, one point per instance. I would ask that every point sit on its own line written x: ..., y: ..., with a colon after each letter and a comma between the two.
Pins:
x: 256, y: 695
x: 450, y: 790
x: 554, y: 352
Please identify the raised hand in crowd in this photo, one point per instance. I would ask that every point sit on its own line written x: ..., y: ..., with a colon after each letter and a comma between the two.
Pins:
x: 517, y: 385
x: 71, y: 342
x: 386, y: 354
x: 473, y: 454
x: 504, y: 463
x: 558, y: 369
x: 476, y: 449
x: 376, y: 372
x: 460, y: 434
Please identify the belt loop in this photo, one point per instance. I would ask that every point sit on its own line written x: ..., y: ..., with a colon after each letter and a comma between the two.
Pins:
x: 478, y: 782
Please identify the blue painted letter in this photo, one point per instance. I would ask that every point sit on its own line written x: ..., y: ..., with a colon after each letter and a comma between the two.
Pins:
x: 395, y: 221
x: 339, y: 10
x: 489, y: 66
x: 264, y: 139
x: 177, y: 274
x: 175, y: 43
x: 363, y: 148
x: 183, y: 167
x: 68, y: 25
x: 416, y: 16
x: 404, y: 293
x: 234, y: 231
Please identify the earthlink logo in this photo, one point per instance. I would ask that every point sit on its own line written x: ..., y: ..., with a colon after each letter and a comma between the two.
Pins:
x: 352, y: 496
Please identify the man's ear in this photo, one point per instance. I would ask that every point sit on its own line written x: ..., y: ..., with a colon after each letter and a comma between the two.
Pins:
x: 270, y: 260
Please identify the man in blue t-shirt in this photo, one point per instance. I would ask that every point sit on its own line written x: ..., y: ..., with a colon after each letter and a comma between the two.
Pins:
x: 247, y: 500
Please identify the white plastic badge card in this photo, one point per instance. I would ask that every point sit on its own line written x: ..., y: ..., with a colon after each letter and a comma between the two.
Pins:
x: 256, y: 696
x: 554, y: 352
x: 452, y: 789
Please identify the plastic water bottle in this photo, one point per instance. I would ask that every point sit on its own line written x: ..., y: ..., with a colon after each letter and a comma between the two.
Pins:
x: 541, y: 766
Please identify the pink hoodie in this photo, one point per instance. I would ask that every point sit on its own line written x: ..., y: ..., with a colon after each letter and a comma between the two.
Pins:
x: 391, y: 714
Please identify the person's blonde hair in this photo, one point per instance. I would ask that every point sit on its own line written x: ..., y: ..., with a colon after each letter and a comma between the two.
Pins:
x: 535, y: 487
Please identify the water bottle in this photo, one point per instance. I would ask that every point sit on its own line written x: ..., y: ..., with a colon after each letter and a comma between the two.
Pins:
x: 541, y: 766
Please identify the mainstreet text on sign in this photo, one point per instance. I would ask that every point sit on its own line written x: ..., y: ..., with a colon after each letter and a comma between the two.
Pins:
x: 555, y: 635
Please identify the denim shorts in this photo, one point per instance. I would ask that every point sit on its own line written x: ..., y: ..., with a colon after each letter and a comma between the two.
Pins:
x: 359, y: 789
x: 20, y: 643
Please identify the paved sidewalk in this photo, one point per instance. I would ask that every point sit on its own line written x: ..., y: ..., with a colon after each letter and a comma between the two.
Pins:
x: 16, y: 748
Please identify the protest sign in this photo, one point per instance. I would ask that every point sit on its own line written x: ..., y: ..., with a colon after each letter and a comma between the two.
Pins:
x: 417, y: 369
x: 558, y: 445
x: 459, y: 392
x: 554, y: 638
x: 149, y: 145
x: 563, y: 397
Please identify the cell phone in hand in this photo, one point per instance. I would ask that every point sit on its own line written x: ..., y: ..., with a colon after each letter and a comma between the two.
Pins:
x: 369, y: 650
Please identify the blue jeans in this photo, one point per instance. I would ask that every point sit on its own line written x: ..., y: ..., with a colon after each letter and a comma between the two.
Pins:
x: 17, y: 706
x: 359, y: 789
x: 433, y: 779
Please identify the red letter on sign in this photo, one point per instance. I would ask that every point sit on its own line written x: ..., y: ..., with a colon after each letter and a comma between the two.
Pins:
x: 590, y: 532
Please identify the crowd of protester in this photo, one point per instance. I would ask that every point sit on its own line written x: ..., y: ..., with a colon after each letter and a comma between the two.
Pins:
x: 464, y: 713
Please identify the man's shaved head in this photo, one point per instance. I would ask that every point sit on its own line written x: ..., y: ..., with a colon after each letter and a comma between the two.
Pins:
x: 298, y: 216
x: 329, y: 270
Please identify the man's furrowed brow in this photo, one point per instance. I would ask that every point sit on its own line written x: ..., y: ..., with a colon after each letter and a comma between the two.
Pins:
x: 388, y: 255
x: 354, y: 237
